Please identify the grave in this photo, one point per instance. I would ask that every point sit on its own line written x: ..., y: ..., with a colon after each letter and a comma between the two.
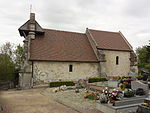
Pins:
x: 113, y: 83
x: 145, y: 107
x: 137, y: 84
x: 126, y: 104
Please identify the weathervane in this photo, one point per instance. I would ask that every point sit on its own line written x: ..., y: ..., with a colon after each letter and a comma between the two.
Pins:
x: 30, y: 8
x: 148, y: 49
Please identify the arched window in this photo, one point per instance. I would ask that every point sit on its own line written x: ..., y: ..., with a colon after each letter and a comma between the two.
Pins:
x: 117, y: 60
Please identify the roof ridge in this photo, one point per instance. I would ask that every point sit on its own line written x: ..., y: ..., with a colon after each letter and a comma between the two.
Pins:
x: 104, y: 31
x: 64, y: 31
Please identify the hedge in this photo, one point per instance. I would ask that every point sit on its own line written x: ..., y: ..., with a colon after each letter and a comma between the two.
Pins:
x: 60, y: 83
x: 97, y: 79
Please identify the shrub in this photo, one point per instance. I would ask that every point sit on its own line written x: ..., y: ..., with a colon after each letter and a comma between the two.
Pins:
x: 147, y: 65
x: 60, y: 83
x: 97, y: 79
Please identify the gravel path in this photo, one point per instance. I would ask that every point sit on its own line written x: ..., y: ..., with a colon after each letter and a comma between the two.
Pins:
x: 73, y: 100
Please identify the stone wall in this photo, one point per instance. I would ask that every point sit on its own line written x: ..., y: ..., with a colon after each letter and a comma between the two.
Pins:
x: 123, y: 68
x: 44, y: 71
x: 47, y: 71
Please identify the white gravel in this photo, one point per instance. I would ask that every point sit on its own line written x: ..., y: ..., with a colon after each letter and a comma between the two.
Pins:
x: 72, y: 99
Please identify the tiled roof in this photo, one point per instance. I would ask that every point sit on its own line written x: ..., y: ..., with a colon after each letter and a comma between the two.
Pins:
x: 110, y: 40
x: 57, y: 45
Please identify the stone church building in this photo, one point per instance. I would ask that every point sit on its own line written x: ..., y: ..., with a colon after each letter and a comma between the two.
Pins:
x: 53, y: 54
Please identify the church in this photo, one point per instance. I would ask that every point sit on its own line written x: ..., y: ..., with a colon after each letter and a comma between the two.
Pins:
x: 52, y: 55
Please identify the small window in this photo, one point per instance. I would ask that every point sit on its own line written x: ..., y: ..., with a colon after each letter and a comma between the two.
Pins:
x: 70, y: 68
x: 117, y: 60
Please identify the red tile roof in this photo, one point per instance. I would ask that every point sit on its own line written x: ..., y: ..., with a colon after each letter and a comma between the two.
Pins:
x: 57, y: 45
x: 110, y: 40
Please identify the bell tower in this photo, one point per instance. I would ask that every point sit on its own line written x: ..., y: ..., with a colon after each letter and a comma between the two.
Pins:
x: 29, y: 31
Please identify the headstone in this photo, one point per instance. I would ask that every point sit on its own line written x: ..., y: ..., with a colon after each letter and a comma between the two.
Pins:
x: 112, y: 83
x: 137, y: 84
x: 82, y: 83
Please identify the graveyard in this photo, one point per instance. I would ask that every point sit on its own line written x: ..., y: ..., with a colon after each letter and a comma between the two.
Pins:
x: 110, y: 95
x: 92, y: 95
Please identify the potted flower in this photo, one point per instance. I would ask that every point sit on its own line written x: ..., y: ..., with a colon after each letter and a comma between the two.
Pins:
x: 92, y: 96
x: 103, y: 98
x: 129, y: 93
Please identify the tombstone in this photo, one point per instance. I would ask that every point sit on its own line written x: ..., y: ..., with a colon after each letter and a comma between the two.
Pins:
x: 137, y: 84
x: 113, y: 84
x: 82, y: 83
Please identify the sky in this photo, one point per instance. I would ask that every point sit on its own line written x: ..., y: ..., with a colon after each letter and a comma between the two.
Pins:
x: 131, y: 17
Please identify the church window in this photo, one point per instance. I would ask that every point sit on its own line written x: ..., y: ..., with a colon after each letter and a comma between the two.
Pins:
x: 70, y: 68
x: 117, y: 60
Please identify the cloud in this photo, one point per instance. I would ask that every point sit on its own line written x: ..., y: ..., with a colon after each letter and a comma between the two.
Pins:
x: 130, y: 16
x: 138, y: 8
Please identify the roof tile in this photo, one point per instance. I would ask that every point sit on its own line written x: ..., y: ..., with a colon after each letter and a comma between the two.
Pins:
x: 57, y: 45
x: 110, y: 40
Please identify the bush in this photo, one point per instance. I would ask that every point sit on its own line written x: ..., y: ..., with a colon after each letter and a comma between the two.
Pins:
x: 97, y: 79
x: 147, y: 65
x: 60, y: 83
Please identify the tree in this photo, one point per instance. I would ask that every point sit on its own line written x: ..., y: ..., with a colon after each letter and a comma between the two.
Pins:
x: 7, y: 65
x: 19, y: 56
x: 7, y: 68
x: 7, y: 49
x: 11, y: 58
x: 143, y: 56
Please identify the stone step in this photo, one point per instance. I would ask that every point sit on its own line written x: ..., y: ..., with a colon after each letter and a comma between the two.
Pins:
x: 135, y: 97
x: 127, y: 106
x: 129, y: 101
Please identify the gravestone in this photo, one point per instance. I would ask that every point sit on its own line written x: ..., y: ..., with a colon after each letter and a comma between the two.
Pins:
x: 113, y: 83
x: 82, y: 83
x: 137, y: 84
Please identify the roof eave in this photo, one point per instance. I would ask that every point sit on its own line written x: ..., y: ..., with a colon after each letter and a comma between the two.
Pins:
x: 111, y: 49
x: 64, y: 61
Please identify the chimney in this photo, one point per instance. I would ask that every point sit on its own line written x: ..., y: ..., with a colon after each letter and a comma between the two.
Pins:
x: 32, y: 26
x: 32, y: 17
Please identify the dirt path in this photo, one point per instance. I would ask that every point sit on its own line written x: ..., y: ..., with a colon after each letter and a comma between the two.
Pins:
x: 30, y: 101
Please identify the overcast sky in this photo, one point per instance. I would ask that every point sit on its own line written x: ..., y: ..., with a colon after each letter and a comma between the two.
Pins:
x: 131, y: 17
